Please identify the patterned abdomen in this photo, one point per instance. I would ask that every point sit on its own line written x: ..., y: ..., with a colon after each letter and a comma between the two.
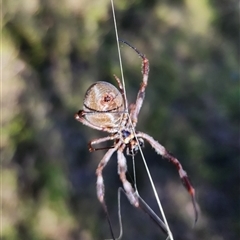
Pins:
x: 103, y: 105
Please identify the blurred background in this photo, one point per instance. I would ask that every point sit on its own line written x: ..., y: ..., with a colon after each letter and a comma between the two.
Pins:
x: 53, y: 50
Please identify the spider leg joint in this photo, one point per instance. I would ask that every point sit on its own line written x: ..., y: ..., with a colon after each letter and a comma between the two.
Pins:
x: 132, y: 197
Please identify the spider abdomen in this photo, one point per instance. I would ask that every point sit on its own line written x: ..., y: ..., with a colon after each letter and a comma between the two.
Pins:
x: 103, y: 105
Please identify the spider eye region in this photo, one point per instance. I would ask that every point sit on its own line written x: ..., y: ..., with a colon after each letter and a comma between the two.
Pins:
x: 125, y: 134
x: 134, y: 145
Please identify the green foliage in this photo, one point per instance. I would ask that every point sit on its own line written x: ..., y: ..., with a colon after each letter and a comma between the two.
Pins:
x: 53, y: 50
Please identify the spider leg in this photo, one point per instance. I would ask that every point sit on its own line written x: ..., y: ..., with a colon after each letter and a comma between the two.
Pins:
x: 100, y: 183
x: 122, y: 168
x: 141, y: 93
x: 99, y: 140
x: 79, y: 116
x: 135, y: 108
x: 122, y: 91
x: 146, y: 208
x: 132, y: 195
x: 101, y: 165
x: 183, y: 175
x: 119, y: 84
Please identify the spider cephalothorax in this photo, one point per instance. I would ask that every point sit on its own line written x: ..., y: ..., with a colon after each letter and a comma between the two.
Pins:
x: 106, y: 109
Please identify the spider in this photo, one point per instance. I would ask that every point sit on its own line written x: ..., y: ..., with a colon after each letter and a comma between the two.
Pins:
x: 105, y: 108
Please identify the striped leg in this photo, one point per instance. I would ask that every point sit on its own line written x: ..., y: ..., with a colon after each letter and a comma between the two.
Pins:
x: 97, y: 141
x: 101, y: 165
x: 122, y: 168
x: 183, y: 175
x: 135, y: 108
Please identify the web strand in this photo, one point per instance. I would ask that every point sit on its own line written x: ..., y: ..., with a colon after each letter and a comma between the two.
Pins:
x: 170, y: 236
x: 119, y: 56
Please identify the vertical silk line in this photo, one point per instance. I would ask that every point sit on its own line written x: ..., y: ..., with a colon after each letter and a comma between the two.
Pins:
x: 170, y: 236
x: 119, y: 56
